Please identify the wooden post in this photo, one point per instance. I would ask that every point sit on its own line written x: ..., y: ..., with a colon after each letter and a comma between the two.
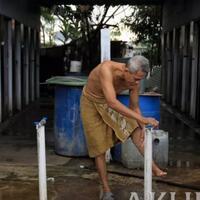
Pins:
x: 169, y: 67
x: 164, y: 71
x: 194, y: 70
x: 1, y: 113
x: 175, y: 67
x: 32, y: 65
x: 8, y: 81
x: 185, y: 74
x: 26, y: 64
x: 18, y: 79
x: 10, y: 69
x: 37, y: 65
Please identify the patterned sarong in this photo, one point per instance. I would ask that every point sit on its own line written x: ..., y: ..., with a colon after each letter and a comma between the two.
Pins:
x: 103, y: 126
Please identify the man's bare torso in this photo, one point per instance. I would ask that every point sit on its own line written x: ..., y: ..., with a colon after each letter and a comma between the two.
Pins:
x: 93, y: 86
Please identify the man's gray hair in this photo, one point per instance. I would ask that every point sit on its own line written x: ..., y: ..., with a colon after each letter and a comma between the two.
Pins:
x: 138, y: 62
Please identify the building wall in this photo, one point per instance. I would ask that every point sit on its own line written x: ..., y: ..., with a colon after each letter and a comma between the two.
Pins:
x: 26, y: 12
x: 179, y: 12
x: 19, y: 55
x: 180, y: 56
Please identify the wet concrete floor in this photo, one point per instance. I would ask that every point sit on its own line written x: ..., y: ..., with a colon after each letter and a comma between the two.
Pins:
x: 66, y: 180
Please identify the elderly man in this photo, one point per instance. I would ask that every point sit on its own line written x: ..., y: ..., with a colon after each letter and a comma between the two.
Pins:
x: 106, y: 121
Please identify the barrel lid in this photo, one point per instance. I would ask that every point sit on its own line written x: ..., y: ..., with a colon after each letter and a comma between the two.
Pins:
x: 67, y: 80
x: 151, y: 94
x: 126, y: 92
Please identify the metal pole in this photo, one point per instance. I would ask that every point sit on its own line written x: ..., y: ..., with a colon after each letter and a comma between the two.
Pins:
x: 148, y: 165
x: 41, y: 159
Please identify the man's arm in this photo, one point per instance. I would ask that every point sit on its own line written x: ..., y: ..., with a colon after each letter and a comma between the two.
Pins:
x: 106, y: 80
x: 134, y: 103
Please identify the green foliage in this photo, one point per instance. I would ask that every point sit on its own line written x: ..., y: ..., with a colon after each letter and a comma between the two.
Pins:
x: 69, y: 21
x: 47, y: 15
x: 82, y: 24
x: 145, y: 22
x: 115, y: 32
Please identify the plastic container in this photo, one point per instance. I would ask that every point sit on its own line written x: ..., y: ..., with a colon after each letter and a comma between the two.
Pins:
x: 75, y: 66
x: 68, y: 129
x: 149, y: 104
x: 150, y: 107
x: 131, y: 157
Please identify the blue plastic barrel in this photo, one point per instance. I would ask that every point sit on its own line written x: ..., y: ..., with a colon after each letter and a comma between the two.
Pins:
x: 149, y: 106
x: 68, y: 129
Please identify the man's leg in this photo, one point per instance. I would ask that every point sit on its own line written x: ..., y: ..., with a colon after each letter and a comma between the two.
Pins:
x: 101, y: 167
x: 136, y: 139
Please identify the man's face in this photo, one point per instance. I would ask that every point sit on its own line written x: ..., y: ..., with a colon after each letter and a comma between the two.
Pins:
x: 134, y: 78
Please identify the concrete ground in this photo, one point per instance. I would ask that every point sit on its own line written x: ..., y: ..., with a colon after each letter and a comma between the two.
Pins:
x: 66, y: 180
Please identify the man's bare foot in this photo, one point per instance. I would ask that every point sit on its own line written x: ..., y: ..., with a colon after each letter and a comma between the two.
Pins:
x: 159, y: 173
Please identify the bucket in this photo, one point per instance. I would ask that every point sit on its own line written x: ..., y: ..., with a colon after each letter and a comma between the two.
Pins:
x: 132, y: 159
x: 75, y: 66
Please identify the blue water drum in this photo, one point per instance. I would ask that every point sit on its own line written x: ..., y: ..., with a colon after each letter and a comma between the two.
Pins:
x: 68, y: 129
x: 149, y: 106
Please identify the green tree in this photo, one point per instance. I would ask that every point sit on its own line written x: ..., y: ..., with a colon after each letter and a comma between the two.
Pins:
x: 69, y: 22
x: 47, y: 26
x: 83, y: 23
x: 145, y: 22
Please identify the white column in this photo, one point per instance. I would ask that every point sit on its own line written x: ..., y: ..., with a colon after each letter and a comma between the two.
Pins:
x: 105, y: 44
x: 105, y: 55
x: 148, y: 165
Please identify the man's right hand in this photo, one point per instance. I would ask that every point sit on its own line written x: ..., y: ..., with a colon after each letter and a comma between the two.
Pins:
x: 151, y: 121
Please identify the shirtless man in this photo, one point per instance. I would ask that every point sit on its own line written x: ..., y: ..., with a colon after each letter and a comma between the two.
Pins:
x: 104, y: 82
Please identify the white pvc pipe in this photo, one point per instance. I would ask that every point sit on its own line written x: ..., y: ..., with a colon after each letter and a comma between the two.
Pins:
x: 41, y: 161
x: 148, y: 165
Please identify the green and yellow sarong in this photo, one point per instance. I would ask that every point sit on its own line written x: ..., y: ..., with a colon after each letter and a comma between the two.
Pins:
x: 103, y: 127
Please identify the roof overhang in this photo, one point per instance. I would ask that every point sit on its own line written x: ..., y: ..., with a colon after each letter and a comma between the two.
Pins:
x: 50, y: 3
